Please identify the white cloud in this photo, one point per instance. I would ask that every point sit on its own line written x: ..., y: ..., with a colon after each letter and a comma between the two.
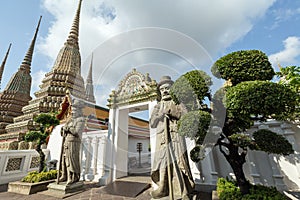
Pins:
x: 214, y: 24
x: 37, y: 80
x: 282, y: 15
x: 290, y: 55
x: 211, y: 25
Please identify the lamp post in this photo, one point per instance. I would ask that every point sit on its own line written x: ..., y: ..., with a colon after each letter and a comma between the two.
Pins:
x: 139, y: 148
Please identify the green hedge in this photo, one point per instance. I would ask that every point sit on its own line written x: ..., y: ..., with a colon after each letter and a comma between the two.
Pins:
x: 35, y: 177
x: 228, y: 190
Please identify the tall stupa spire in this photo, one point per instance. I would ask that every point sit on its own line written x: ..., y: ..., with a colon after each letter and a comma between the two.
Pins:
x: 21, y: 81
x: 3, y: 64
x: 16, y: 95
x: 69, y: 58
x: 89, y: 88
x: 26, y: 64
x: 74, y: 33
x: 64, y: 76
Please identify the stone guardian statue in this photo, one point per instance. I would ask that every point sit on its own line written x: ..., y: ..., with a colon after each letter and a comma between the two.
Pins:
x: 70, y: 154
x: 170, y: 171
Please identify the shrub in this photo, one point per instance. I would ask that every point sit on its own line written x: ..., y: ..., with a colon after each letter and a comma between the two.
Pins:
x: 242, y: 140
x: 246, y: 65
x: 228, y: 190
x: 260, y: 98
x: 271, y: 142
x: 197, y: 153
x: 35, y: 177
x: 190, y: 88
x: 194, y: 125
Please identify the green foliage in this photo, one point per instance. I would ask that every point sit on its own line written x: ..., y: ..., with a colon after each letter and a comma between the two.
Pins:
x: 194, y: 125
x: 245, y: 65
x: 271, y: 142
x: 46, y: 120
x: 191, y: 88
x: 37, y: 136
x: 228, y: 190
x: 243, y: 141
x: 260, y: 98
x: 290, y: 76
x: 197, y: 153
x: 35, y: 177
x: 249, y: 96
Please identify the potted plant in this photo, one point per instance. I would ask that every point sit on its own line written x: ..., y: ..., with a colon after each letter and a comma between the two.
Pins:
x: 37, y: 181
x: 32, y: 183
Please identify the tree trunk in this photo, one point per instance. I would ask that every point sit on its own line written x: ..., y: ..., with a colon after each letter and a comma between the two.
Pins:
x: 236, y: 162
x: 42, y: 157
x: 240, y: 177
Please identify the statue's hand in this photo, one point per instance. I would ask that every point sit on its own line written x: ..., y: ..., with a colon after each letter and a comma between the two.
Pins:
x: 173, y: 112
x: 66, y: 128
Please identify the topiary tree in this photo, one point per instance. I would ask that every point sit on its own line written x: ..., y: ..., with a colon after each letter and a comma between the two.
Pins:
x: 240, y: 66
x: 247, y: 96
x: 250, y: 96
x: 47, y: 122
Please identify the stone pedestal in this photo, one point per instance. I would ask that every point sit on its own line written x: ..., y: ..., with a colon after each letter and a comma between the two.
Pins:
x: 62, y: 190
x: 28, y: 188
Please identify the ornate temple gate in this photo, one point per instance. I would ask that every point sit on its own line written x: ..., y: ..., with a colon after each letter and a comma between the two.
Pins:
x: 136, y: 92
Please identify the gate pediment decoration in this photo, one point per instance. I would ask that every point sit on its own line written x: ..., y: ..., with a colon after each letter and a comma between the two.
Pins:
x: 134, y: 88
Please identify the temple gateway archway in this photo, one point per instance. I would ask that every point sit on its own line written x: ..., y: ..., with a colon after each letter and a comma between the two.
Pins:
x: 136, y: 92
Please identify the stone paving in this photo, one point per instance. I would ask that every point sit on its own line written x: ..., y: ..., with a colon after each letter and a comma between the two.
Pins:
x: 91, y: 192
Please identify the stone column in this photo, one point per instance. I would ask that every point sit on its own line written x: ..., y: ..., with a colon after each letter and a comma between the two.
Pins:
x: 110, y: 141
x: 120, y: 144
x: 104, y: 178
x: 95, y: 154
x: 88, y: 157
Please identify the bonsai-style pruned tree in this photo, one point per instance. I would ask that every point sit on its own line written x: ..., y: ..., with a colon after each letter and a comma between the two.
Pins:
x: 250, y: 96
x: 47, y: 122
x: 247, y: 96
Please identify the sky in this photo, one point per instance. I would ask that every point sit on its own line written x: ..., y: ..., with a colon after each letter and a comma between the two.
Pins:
x: 161, y: 37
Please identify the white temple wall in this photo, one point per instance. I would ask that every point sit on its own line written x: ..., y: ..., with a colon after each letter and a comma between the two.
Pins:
x: 55, y: 143
x: 282, y: 172
x: 296, y: 129
x: 261, y: 168
x: 15, y: 164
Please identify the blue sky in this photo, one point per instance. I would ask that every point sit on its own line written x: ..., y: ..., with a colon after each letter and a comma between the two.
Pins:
x: 160, y: 37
